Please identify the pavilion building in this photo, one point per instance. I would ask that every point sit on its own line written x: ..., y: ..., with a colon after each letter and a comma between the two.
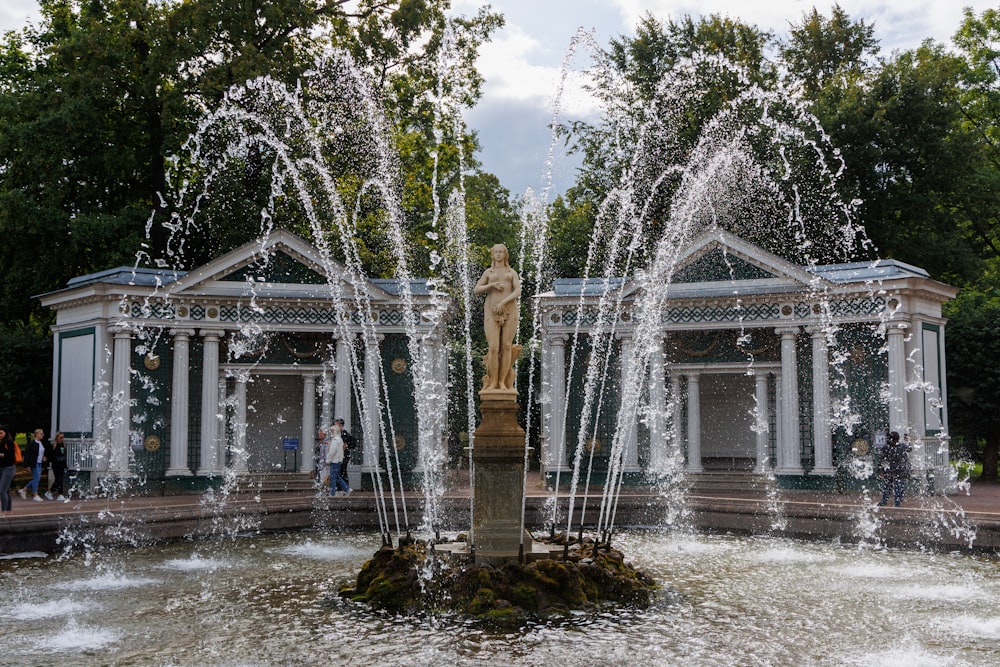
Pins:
x: 753, y: 357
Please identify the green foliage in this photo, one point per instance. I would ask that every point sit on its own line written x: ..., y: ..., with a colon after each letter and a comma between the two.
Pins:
x: 26, y: 369
x: 973, y: 381
x: 821, y: 52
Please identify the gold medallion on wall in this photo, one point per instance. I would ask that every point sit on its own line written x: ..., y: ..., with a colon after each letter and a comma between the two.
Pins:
x: 151, y: 443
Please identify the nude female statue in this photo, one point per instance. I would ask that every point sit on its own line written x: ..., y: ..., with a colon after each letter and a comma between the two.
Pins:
x: 502, y: 287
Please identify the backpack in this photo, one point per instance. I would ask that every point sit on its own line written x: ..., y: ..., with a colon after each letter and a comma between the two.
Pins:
x: 18, y: 456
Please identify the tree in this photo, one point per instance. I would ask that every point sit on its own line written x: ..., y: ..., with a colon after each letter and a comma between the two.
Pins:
x: 113, y: 89
x: 96, y: 102
x: 973, y: 384
x: 910, y: 162
x: 697, y: 131
x: 821, y: 52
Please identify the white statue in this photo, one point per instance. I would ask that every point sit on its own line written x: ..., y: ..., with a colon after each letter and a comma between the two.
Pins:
x: 502, y: 287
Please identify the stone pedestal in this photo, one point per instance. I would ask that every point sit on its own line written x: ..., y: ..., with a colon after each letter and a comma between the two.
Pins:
x: 498, y: 460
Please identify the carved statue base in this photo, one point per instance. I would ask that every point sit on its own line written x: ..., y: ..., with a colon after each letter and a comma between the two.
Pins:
x: 498, y: 458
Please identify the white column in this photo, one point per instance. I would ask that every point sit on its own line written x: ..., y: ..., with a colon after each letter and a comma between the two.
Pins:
x: 630, y: 457
x: 557, y: 413
x: 210, y: 403
x: 658, y: 405
x: 917, y: 398
x: 822, y: 438
x: 897, y: 377
x: 180, y: 393
x: 342, y: 394
x: 326, y: 391
x: 373, y: 441
x: 223, y: 423
x: 676, y: 412
x: 694, y: 423
x: 789, y: 455
x: 121, y: 403
x: 241, y: 457
x: 101, y: 444
x: 309, y: 429
x: 762, y: 423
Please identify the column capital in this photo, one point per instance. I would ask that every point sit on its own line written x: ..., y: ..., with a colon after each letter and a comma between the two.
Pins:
x: 212, y: 333
x: 896, y: 328
x: 182, y: 333
x: 787, y: 331
x: 120, y: 331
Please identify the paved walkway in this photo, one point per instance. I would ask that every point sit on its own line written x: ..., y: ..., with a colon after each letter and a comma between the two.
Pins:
x: 747, y: 510
x: 981, y: 499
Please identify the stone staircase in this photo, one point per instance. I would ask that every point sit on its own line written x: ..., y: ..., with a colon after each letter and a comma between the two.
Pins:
x: 280, y: 482
x: 738, y: 482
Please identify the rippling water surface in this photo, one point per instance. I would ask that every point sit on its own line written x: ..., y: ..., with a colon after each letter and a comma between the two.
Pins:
x: 730, y: 601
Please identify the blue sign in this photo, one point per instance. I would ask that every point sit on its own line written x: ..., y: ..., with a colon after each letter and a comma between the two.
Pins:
x: 290, y: 443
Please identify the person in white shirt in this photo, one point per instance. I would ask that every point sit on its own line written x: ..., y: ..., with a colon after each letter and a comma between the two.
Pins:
x: 335, y: 457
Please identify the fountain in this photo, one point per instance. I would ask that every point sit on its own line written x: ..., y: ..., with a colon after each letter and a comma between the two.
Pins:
x: 294, y: 580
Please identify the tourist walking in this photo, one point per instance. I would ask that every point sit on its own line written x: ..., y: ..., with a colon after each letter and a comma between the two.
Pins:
x: 8, y: 466
x: 36, y: 457
x: 894, y: 468
x: 335, y: 457
x: 58, y: 461
x: 349, y: 443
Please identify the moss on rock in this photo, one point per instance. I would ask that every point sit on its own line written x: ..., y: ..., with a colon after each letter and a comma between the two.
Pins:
x: 589, y: 577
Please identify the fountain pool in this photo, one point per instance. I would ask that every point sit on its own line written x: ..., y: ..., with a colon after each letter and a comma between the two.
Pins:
x: 272, y: 600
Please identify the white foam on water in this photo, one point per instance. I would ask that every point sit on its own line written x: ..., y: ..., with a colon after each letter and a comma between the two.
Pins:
x: 693, y: 546
x: 75, y: 638
x: 910, y: 655
x: 972, y: 626
x: 323, y: 551
x: 869, y: 571
x: 108, y: 582
x: 195, y: 564
x: 785, y: 555
x: 47, y: 609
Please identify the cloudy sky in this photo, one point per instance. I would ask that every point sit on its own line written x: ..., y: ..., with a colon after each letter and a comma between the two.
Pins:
x: 523, y: 63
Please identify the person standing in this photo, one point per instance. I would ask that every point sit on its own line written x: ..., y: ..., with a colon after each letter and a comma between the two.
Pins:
x: 36, y: 458
x: 349, y: 443
x: 8, y: 466
x: 58, y: 460
x: 319, y: 456
x: 894, y: 468
x: 335, y: 457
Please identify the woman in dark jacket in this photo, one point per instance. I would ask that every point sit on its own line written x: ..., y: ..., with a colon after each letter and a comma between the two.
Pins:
x: 58, y: 467
x: 7, y: 469
x: 894, y: 468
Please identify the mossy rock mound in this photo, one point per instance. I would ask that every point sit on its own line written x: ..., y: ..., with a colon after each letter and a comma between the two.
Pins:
x: 589, y: 577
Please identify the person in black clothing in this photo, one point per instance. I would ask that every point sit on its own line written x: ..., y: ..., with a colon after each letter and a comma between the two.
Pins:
x: 58, y: 461
x: 349, y: 444
x: 8, y: 467
x: 894, y: 468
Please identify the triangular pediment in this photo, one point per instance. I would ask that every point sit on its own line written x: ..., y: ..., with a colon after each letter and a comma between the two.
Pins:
x: 281, y: 264
x: 717, y: 256
x: 280, y: 267
x: 717, y: 264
